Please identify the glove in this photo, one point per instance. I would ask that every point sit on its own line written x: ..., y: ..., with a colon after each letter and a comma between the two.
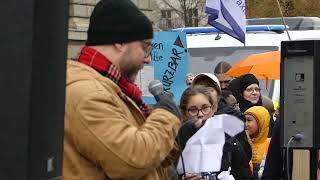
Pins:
x: 166, y: 102
x: 164, y: 94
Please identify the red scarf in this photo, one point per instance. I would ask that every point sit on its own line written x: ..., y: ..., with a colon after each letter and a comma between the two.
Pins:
x: 102, y: 64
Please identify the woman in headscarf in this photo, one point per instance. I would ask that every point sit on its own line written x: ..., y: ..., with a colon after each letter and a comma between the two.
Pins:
x: 247, y: 91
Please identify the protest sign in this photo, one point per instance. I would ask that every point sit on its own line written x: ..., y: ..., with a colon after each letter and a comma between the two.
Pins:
x: 169, y: 65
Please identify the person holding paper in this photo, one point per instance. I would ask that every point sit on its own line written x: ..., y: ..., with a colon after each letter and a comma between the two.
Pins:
x: 194, y: 102
x: 240, y: 147
x: 197, y: 105
x: 241, y: 168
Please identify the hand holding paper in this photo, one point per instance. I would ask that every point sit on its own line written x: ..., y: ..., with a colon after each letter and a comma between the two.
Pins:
x: 203, y: 151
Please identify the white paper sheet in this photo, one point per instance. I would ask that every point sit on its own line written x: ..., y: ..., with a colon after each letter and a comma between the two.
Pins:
x: 231, y: 124
x: 203, y: 151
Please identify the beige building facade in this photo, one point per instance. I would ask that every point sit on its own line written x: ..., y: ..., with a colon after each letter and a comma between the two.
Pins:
x: 162, y: 16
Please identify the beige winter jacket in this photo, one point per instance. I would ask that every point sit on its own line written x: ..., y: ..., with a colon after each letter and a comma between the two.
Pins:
x: 107, y: 135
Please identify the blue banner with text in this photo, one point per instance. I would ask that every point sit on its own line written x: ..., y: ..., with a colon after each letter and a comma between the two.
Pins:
x: 169, y: 64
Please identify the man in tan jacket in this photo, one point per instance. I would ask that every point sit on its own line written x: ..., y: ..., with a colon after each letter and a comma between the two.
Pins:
x: 109, y: 132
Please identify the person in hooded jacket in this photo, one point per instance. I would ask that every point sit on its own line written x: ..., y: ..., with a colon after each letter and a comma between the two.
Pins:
x: 257, y: 127
x: 246, y: 90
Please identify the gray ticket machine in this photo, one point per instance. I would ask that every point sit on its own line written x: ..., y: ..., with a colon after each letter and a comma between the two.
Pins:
x: 300, y: 92
x: 300, y: 96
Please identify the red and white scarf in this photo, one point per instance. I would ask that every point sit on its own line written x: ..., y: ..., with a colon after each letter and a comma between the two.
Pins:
x: 102, y: 64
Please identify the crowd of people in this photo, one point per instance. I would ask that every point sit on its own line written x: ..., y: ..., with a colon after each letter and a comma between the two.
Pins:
x: 241, y: 97
x: 110, y: 133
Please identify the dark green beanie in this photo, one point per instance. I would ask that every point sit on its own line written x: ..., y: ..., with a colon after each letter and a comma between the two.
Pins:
x: 117, y: 21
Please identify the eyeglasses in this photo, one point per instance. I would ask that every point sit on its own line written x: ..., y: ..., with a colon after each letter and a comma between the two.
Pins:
x: 250, y: 90
x: 146, y: 46
x: 194, y: 111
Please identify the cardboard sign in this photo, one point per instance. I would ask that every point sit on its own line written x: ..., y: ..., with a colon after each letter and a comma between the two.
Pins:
x: 169, y: 65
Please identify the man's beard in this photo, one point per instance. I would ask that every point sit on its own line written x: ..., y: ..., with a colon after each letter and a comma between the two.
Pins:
x: 128, y: 66
x: 129, y: 71
x: 130, y: 75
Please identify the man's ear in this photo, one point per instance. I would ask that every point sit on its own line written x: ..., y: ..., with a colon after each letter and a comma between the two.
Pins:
x: 119, y: 46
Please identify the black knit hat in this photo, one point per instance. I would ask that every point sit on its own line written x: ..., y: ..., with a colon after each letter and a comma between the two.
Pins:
x: 117, y: 21
x: 246, y: 80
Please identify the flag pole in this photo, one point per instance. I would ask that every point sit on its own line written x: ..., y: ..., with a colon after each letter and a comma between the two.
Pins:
x: 283, y: 21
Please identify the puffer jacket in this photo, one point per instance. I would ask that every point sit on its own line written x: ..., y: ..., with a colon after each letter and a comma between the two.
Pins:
x: 107, y: 136
x: 223, y: 108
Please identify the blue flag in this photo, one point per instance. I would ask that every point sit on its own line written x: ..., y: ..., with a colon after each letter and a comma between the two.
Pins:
x: 228, y: 16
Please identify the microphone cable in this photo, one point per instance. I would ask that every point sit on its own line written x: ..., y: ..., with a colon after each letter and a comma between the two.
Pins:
x: 288, y: 146
x: 182, y: 160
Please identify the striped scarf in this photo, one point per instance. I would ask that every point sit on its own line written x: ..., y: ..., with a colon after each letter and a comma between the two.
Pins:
x: 102, y: 64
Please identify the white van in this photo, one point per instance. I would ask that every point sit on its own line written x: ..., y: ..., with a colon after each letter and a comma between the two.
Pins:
x: 207, y: 46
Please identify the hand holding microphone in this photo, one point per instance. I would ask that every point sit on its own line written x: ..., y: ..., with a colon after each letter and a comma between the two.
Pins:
x: 164, y: 99
x: 156, y: 89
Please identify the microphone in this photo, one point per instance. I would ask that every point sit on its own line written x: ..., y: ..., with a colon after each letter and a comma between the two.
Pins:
x: 156, y: 89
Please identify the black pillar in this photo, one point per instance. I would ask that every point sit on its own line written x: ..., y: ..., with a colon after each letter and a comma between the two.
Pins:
x: 33, y: 50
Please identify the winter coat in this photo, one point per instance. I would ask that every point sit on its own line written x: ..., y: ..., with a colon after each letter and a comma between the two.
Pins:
x: 223, y: 108
x: 239, y: 146
x: 275, y: 167
x: 107, y: 136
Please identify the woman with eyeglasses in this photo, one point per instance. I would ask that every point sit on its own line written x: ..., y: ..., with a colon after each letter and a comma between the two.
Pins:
x: 246, y: 90
x: 198, y: 103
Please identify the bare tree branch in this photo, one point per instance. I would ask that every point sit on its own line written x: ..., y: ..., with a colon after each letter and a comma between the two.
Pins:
x: 185, y: 9
x: 166, y: 2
